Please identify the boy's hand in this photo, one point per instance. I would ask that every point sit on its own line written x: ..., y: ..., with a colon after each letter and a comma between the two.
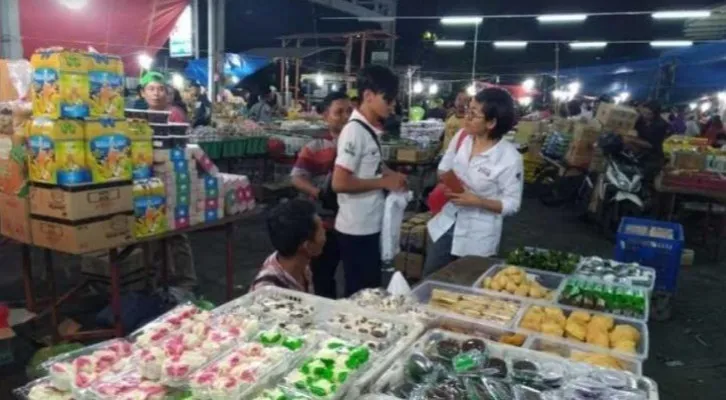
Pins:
x: 394, y: 182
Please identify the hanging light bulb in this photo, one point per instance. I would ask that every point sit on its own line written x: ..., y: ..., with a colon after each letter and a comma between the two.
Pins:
x: 319, y: 79
x: 433, y: 89
x: 471, y: 90
x: 418, y: 87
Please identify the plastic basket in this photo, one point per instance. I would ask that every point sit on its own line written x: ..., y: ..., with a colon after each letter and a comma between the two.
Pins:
x: 636, y: 243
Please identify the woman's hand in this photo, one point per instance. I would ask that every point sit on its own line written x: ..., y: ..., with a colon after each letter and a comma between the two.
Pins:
x: 466, y: 198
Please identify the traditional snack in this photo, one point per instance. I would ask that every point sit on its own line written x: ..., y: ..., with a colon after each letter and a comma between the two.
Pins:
x: 129, y: 386
x: 515, y: 281
x: 476, y: 306
x: 46, y: 391
x: 377, y: 329
x: 611, y: 271
x: 600, y: 360
x: 81, y: 371
x: 283, y: 309
x: 515, y: 339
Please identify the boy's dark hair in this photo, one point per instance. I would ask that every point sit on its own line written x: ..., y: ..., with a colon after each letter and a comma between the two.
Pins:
x: 290, y: 224
x: 378, y: 79
x: 329, y: 99
x: 497, y: 104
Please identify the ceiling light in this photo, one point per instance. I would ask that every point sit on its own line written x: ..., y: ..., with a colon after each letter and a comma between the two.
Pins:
x: 418, y: 87
x: 681, y: 14
x: 564, y: 18
x: 587, y: 45
x: 671, y: 43
x: 510, y: 44
x: 461, y: 20
x: 471, y: 90
x: 449, y: 43
x: 433, y: 89
x: 528, y: 84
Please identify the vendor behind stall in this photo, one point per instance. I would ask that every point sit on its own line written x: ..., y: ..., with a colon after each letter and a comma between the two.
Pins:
x: 455, y: 119
x: 199, y: 106
x: 158, y: 96
x: 490, y: 171
x: 297, y: 235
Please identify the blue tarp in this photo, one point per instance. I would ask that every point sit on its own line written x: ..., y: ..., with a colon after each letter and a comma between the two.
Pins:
x: 238, y: 66
x: 684, y: 73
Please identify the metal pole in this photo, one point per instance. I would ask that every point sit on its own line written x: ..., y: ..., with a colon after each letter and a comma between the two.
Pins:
x: 557, y: 75
x: 10, y: 44
x: 195, y: 27
x: 211, y: 50
x: 476, y: 41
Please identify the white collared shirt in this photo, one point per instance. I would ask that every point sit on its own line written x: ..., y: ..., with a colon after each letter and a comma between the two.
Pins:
x: 359, y: 213
x: 495, y: 174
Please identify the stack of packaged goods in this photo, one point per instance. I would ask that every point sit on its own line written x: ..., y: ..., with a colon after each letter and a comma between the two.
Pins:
x: 211, y: 207
x: 237, y: 193
x: 79, y: 152
x: 183, y: 189
x: 410, y: 260
x: 150, y: 216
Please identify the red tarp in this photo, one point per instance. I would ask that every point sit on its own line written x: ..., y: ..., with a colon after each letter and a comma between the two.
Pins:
x: 122, y: 27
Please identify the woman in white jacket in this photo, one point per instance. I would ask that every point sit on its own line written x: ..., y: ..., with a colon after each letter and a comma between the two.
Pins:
x: 491, y: 172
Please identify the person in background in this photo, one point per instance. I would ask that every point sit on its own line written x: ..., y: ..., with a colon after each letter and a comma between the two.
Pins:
x: 652, y: 132
x: 360, y: 177
x: 176, y: 98
x: 455, y: 119
x: 264, y: 110
x: 692, y: 128
x: 199, y: 106
x: 297, y: 235
x: 311, y: 175
x: 574, y: 110
x: 437, y: 111
x: 715, y: 128
x: 157, y: 97
x: 678, y: 123
x: 490, y: 170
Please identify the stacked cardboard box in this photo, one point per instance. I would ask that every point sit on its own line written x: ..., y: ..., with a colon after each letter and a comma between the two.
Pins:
x: 617, y: 118
x: 183, y: 190
x: 414, y: 238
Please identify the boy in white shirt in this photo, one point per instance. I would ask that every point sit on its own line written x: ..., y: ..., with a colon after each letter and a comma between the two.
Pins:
x: 360, y: 177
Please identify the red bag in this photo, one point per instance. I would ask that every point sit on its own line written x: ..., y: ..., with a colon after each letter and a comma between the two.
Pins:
x: 437, y: 199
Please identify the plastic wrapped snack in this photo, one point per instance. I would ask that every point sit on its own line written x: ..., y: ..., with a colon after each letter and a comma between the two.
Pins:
x: 41, y: 389
x: 78, y: 369
x: 185, y: 317
x: 283, y: 309
x: 279, y: 394
x: 128, y: 386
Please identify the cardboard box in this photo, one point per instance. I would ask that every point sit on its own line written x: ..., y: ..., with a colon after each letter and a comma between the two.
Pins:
x: 82, y: 202
x: 410, y: 264
x: 15, y: 218
x: 582, y: 147
x: 616, y: 118
x: 687, y: 160
x: 81, y: 237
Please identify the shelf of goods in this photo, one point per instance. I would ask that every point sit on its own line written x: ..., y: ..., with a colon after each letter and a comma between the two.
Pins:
x: 268, y: 342
x: 449, y: 365
x: 546, y: 325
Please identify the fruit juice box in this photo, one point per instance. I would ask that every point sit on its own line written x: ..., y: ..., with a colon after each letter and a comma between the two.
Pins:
x: 106, y: 80
x: 211, y: 186
x: 60, y: 87
x: 108, y: 148
x: 149, y: 208
x: 142, y: 151
x: 56, y: 152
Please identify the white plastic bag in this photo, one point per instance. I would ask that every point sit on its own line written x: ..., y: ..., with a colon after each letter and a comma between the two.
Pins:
x: 392, y: 219
x: 398, y: 286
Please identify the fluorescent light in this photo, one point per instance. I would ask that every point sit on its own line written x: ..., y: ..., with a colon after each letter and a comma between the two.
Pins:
x: 681, y: 14
x: 376, y: 19
x: 418, y: 87
x: 510, y: 44
x: 433, y: 89
x: 587, y: 45
x: 471, y: 90
x: 319, y: 80
x: 528, y: 84
x: 671, y: 43
x: 555, y: 18
x: 449, y: 43
x: 461, y: 20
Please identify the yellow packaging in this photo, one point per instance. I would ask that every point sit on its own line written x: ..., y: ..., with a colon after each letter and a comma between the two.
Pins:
x: 60, y: 87
x: 106, y: 80
x: 142, y: 150
x: 149, y: 208
x: 108, y: 150
x: 56, y: 152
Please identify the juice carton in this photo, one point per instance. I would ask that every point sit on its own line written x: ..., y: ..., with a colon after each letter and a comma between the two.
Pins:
x: 150, y: 211
x: 60, y: 87
x: 142, y: 151
x: 108, y: 148
x: 13, y: 163
x: 106, y: 78
x: 56, y: 152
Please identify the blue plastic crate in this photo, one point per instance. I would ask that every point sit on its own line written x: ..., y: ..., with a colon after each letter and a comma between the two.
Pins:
x: 635, y: 243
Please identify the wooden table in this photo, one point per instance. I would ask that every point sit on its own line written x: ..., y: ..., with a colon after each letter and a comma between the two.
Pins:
x: 464, y: 271
x: 114, y: 255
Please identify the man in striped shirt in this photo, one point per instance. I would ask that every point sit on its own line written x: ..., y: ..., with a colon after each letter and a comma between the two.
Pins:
x: 311, y: 176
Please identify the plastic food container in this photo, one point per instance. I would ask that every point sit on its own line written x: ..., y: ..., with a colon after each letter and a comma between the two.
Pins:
x: 611, y: 288
x: 271, y: 302
x: 41, y: 389
x: 549, y: 280
x: 508, y: 336
x: 592, y: 268
x: 642, y: 347
x: 572, y: 350
x: 423, y: 293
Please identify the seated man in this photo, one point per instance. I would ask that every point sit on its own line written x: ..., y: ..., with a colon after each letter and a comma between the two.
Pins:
x: 297, y: 234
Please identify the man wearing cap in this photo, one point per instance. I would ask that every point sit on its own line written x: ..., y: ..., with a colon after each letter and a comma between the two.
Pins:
x: 157, y: 96
x: 199, y: 106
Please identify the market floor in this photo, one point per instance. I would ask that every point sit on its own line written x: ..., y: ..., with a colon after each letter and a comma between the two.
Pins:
x: 687, y: 353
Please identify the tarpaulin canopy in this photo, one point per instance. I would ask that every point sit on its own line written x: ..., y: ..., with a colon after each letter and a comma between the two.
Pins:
x: 681, y: 74
x: 123, y: 27
x: 238, y: 66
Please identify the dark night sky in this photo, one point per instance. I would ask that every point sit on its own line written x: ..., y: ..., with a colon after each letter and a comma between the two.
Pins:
x: 255, y: 23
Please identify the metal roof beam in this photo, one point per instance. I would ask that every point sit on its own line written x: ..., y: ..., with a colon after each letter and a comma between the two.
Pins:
x: 348, y: 7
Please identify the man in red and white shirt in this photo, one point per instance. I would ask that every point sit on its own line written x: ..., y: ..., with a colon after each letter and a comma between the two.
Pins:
x: 297, y: 235
x: 311, y: 176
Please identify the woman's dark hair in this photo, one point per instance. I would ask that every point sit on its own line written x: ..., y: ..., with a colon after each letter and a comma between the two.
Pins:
x: 378, y: 79
x: 290, y: 224
x: 497, y: 104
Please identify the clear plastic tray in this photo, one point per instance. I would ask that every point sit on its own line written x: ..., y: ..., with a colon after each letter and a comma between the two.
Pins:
x: 23, y: 392
x: 167, y: 323
x: 646, y: 297
x: 568, y: 350
x: 649, y: 286
x: 290, y: 306
x: 642, y: 348
x: 549, y: 280
x: 490, y: 332
x: 124, y: 385
x: 532, y: 249
x: 423, y: 294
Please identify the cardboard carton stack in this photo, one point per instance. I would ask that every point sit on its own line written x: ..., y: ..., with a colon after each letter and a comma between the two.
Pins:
x: 617, y: 118
x: 414, y: 238
x: 183, y: 189
x: 582, y: 147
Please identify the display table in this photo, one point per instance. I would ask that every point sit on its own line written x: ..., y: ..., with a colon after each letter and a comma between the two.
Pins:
x: 464, y: 271
x: 114, y: 255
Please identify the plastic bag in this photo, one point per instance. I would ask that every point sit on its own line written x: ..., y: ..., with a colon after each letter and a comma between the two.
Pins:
x: 398, y: 285
x: 392, y: 219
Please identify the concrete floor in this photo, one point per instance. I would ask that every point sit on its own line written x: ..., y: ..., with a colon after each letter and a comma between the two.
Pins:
x: 687, y: 353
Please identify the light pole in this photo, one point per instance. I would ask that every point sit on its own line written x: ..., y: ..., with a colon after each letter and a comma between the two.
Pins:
x: 476, y: 42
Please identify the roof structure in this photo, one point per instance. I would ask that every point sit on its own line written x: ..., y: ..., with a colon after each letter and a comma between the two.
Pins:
x: 290, y: 52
